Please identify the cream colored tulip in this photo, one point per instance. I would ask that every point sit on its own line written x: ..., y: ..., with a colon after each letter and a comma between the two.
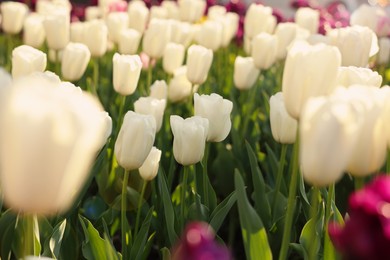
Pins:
x: 245, y: 73
x: 129, y: 41
x: 189, y: 138
x: 210, y: 35
x: 159, y: 89
x: 135, y: 140
x: 173, y: 57
x: 74, y: 62
x: 258, y: 19
x: 285, y: 33
x: 116, y: 22
x: 26, y: 59
x: 126, y: 73
x: 179, y: 87
x: 172, y: 9
x: 156, y: 38
x: 373, y: 17
x: 77, y: 32
x: 33, y: 31
x: 264, y: 50
x: 149, y: 169
x: 92, y: 13
x: 230, y: 27
x: 96, y: 37
x: 181, y: 33
x: 348, y: 76
x: 138, y: 16
x: 199, y: 61
x: 158, y: 12
x: 151, y: 106
x: 216, y: 11
x: 308, y: 18
x: 13, y: 15
x: 191, y: 10
x: 57, y: 30
x: 384, y: 51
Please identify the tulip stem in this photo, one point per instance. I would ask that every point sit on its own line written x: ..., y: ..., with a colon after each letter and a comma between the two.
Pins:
x: 290, y: 204
x: 328, y: 246
x: 205, y: 182
x: 183, y: 195
x: 144, y: 183
x: 279, y: 177
x: 313, y: 218
x: 125, y: 233
x: 29, y: 235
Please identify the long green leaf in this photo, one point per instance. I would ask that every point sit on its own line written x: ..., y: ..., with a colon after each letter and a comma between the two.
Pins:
x: 221, y: 211
x: 56, y: 239
x: 7, y: 232
x: 141, y: 238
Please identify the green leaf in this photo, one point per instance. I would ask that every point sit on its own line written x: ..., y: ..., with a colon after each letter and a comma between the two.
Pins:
x: 56, y: 239
x: 166, y: 254
x: 141, y: 238
x: 7, y: 233
x: 148, y: 246
x: 221, y: 211
x: 253, y: 232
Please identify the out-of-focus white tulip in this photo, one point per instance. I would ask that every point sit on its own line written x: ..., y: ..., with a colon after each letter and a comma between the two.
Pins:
x: 356, y: 44
x: 173, y: 57
x: 74, y: 61
x: 67, y: 128
x: 285, y: 33
x: 181, y: 33
x: 96, y: 37
x: 156, y: 38
x: 138, y: 15
x: 230, y: 26
x: 245, y: 73
x: 158, y: 12
x: 217, y: 110
x: 13, y: 15
x: 384, y: 51
x: 308, y: 18
x: 159, y: 89
x: 191, y: 10
x: 189, y: 138
x: 129, y: 41
x: 318, y: 38
x: 149, y: 169
x: 33, y: 31
x: 107, y: 122
x: 151, y: 106
x: 135, y: 140
x: 179, y: 87
x: 47, y: 75
x: 26, y: 59
x: 210, y: 35
x: 92, y: 13
x: 348, y: 76
x: 172, y: 9
x: 55, y: 56
x: 5, y: 79
x: 45, y: 8
x: 264, y: 50
x: 116, y: 22
x: 374, y: 17
x: 77, y: 32
x: 57, y: 30
x: 283, y: 126
x: 126, y: 72
x: 328, y: 132
x: 247, y: 45
x: 199, y: 61
x: 258, y: 19
x: 305, y: 76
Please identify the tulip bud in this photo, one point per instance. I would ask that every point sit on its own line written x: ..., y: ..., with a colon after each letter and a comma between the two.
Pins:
x: 96, y: 37
x: 348, y: 76
x: 33, y: 31
x: 179, y: 86
x: 304, y: 77
x: 230, y: 26
x: 285, y: 33
x: 217, y: 110
x: 264, y: 50
x: 74, y: 61
x: 65, y: 126
x: 189, y: 138
x: 107, y: 123
x: 173, y: 57
x: 384, y: 51
x: 258, y: 19
x: 172, y: 9
x: 158, y: 12
x: 308, y: 18
x: 149, y: 169
x: 116, y: 22
x: 373, y: 17
x: 331, y: 125
x: 57, y: 29
x: 159, y: 89
x: 77, y: 32
x: 126, y: 73
x: 151, y: 106
x: 181, y: 33
x: 129, y: 40
x: 156, y: 38
x: 216, y: 11
x: 13, y: 15
x: 135, y: 140
x: 191, y: 10
x: 210, y: 35
x: 26, y: 59
x: 92, y: 13
x: 283, y: 126
x: 199, y: 61
x: 356, y: 44
x: 245, y: 73
x: 138, y: 16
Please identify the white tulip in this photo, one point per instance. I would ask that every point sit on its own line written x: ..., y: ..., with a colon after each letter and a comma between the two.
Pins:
x: 173, y: 57
x: 348, y: 76
x: 199, y: 61
x: 129, y: 41
x: 191, y: 10
x: 384, y: 51
x: 33, y: 31
x: 156, y: 38
x: 159, y: 89
x: 245, y: 73
x: 116, y: 22
x: 26, y: 59
x: 96, y: 37
x: 264, y: 50
x: 308, y: 18
x: 138, y: 16
x: 149, y: 169
x: 151, y: 106
x: 126, y: 73
x: 179, y: 87
x: 13, y: 15
x: 57, y: 30
x: 74, y: 62
x: 210, y: 35
x: 258, y: 19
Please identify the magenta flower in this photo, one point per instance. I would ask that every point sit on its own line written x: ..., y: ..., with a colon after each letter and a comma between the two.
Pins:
x: 198, y: 243
x: 366, y: 234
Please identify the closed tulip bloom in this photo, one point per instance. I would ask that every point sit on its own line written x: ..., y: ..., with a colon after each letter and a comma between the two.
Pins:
x: 308, y: 18
x: 199, y: 61
x: 217, y: 110
x: 129, y: 41
x: 26, y: 59
x: 49, y: 140
x: 191, y: 10
x: 348, y: 76
x: 116, y: 22
x: 264, y: 50
x: 373, y: 17
x: 216, y: 11
x: 77, y: 32
x: 96, y: 37
x: 126, y: 73
x: 173, y: 57
x: 33, y: 31
x: 189, y: 138
x: 74, y: 62
x: 179, y: 87
x: 13, y: 15
x: 149, y: 169
x: 230, y: 27
x: 210, y: 35
x: 135, y: 140
x: 151, y: 106
x: 138, y: 16
x: 285, y: 33
x: 258, y: 19
x: 283, y: 126
x: 172, y: 9
x: 159, y: 89
x: 57, y: 30
x: 328, y: 132
x: 107, y: 123
x: 156, y: 38
x: 245, y: 73
x: 356, y: 44
x: 304, y: 77
x: 384, y: 51
x: 158, y: 12
x: 181, y: 33
x: 92, y: 13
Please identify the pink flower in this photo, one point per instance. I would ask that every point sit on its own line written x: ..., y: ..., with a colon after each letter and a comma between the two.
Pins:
x: 146, y: 61
x: 117, y: 6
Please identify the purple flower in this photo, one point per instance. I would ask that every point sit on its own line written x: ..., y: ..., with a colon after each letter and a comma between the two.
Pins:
x: 366, y: 234
x: 197, y: 243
